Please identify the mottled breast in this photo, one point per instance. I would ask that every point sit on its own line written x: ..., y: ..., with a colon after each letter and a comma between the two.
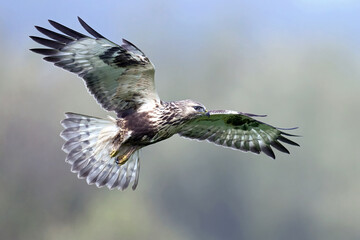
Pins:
x: 152, y: 126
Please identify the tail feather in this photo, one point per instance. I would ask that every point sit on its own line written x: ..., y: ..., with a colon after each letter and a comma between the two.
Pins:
x: 88, y: 143
x: 73, y: 143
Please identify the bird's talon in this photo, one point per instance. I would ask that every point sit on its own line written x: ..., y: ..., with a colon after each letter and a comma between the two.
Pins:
x: 113, y: 153
x: 122, y: 160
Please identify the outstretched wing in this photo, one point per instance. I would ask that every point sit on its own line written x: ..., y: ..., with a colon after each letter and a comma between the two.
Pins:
x: 237, y: 130
x: 120, y: 77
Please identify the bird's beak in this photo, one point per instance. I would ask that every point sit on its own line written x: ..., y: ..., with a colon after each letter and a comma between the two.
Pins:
x: 207, y: 113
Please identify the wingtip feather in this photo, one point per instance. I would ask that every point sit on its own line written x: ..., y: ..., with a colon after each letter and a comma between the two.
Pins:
x: 288, y: 141
x: 90, y: 29
x: 47, y: 42
x: 279, y: 147
x: 268, y: 151
x: 66, y: 30
x: 44, y: 51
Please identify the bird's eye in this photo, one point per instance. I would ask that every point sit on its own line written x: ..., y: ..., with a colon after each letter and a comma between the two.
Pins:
x: 199, y: 108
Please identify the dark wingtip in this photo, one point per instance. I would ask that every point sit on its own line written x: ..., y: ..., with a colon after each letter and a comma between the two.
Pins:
x: 54, y: 35
x: 254, y: 115
x: 290, y: 135
x: 66, y: 30
x: 47, y: 42
x: 127, y: 42
x: 287, y: 129
x: 279, y: 147
x: 268, y: 151
x: 288, y: 141
x: 52, y: 22
x: 53, y: 59
x: 44, y: 51
x: 89, y: 29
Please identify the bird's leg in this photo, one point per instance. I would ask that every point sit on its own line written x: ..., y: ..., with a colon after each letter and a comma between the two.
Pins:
x: 120, y: 160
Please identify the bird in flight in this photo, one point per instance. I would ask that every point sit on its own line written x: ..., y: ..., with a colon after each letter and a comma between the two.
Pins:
x: 121, y: 78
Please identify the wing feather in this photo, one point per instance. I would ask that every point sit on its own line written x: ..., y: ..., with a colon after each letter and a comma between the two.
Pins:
x: 237, y: 130
x: 54, y: 35
x: 67, y: 30
x: 120, y: 77
x: 90, y: 29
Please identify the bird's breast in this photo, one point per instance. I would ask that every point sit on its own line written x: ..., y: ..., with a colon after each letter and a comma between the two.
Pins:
x: 150, y: 127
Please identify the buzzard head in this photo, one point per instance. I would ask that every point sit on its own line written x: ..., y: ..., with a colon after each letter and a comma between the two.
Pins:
x: 191, y: 109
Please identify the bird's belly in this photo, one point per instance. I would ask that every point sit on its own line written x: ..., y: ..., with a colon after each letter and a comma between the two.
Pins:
x: 147, y: 136
x: 149, y: 128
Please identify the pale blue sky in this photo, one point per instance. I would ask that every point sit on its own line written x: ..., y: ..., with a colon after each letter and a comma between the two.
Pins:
x: 317, y: 19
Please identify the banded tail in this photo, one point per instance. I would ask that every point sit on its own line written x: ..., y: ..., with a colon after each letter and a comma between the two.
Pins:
x: 89, y: 143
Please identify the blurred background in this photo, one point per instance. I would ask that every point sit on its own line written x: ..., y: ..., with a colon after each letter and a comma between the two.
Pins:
x: 297, y: 61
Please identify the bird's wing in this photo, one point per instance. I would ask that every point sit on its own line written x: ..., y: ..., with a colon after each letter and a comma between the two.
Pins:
x: 237, y: 130
x: 120, y: 77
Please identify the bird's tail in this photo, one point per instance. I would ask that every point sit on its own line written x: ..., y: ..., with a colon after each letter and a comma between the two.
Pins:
x: 89, y: 145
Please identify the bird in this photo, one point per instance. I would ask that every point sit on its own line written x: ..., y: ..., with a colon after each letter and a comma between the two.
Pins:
x: 105, y: 152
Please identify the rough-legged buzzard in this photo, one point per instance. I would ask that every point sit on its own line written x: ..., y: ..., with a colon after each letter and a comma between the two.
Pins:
x: 121, y: 78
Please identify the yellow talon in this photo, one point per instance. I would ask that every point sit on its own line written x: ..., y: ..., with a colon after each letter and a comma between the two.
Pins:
x: 122, y: 160
x: 113, y: 153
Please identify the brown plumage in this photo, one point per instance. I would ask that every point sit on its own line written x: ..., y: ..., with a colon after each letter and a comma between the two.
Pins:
x: 121, y: 78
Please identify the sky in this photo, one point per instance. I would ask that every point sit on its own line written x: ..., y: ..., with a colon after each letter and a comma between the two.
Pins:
x: 322, y: 19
